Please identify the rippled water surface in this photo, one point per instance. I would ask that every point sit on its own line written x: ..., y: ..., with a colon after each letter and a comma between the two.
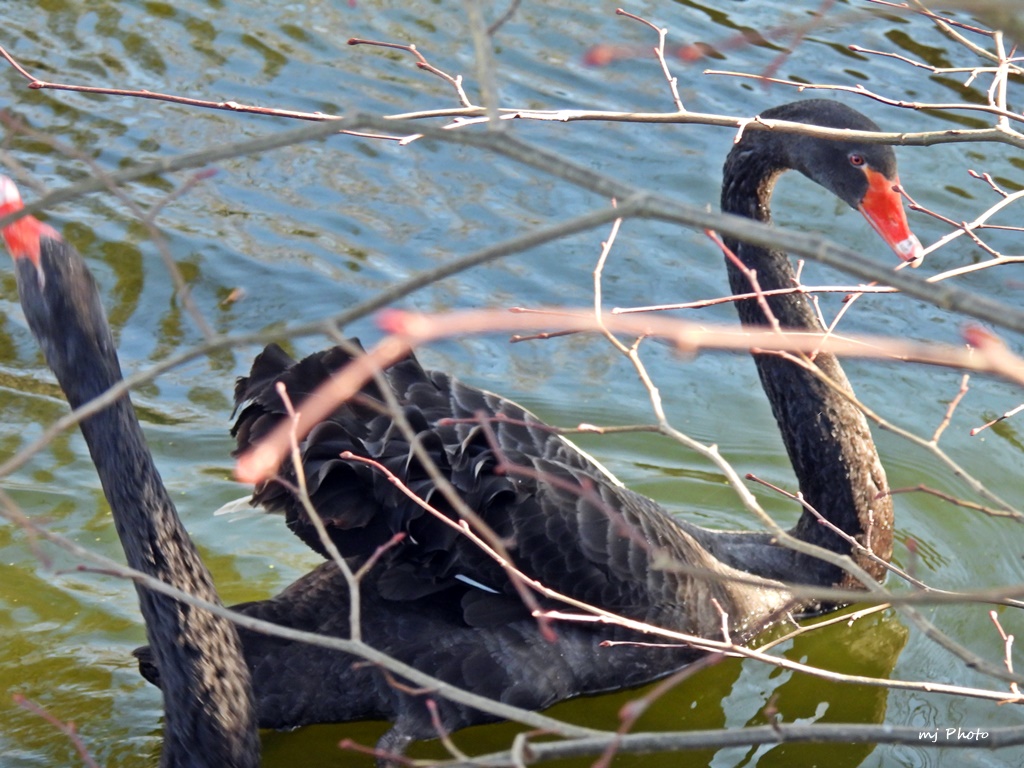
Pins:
x: 309, y: 230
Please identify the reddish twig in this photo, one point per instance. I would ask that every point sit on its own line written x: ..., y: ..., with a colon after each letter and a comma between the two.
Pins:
x: 751, y: 276
x: 857, y: 546
x: 862, y: 91
x: 504, y: 18
x: 68, y: 729
x: 1007, y: 649
x: 948, y: 417
x: 659, y: 52
x: 804, y: 290
x: 383, y: 757
x: 990, y: 511
x: 632, y: 710
x: 230, y: 106
x: 410, y: 329
x: 442, y: 733
x: 1008, y: 414
x: 422, y: 63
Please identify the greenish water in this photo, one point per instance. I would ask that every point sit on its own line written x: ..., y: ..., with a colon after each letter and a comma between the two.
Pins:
x: 311, y: 229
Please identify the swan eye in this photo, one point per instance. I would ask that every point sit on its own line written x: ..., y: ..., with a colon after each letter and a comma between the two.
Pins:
x: 856, y: 160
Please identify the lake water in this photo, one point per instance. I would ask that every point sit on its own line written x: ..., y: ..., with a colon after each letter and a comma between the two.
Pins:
x: 309, y: 230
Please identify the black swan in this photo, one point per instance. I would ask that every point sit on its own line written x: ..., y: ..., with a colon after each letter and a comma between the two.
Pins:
x: 435, y: 601
x: 210, y: 712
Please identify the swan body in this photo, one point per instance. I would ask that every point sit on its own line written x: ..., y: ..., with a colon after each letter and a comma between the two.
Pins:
x: 437, y: 602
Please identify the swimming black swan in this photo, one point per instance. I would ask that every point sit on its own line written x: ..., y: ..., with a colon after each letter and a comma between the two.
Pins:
x: 435, y: 601
x: 210, y: 713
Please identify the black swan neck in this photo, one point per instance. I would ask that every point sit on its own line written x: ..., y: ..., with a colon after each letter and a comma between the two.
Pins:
x: 749, y: 177
x: 208, y: 701
x: 827, y: 438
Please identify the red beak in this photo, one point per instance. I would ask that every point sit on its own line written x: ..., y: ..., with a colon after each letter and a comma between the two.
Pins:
x: 23, y: 236
x: 882, y: 206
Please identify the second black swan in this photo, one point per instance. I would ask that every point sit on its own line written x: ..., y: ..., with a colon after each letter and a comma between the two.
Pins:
x: 436, y: 602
